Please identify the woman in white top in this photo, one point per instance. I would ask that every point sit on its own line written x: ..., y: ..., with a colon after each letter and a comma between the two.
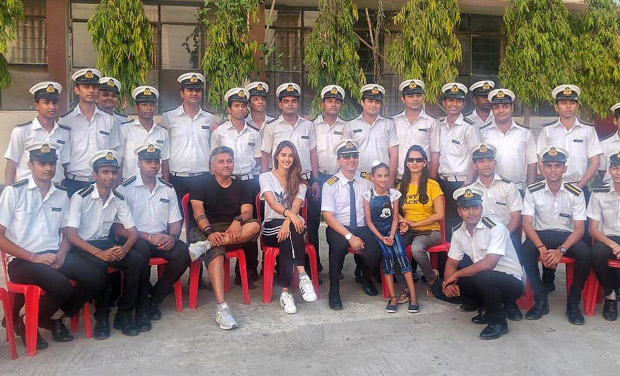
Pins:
x: 284, y: 190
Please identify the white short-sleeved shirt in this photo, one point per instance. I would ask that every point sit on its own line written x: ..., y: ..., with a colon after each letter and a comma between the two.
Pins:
x: 500, y: 199
x: 489, y: 237
x: 394, y: 194
x: 33, y: 222
x: 374, y: 139
x: 327, y: 138
x: 33, y: 132
x: 245, y: 144
x: 476, y: 121
x: 133, y: 134
x: 581, y: 142
x: 269, y: 183
x: 190, y: 139
x: 554, y: 212
x: 93, y: 218
x: 516, y: 149
x: 424, y: 131
x: 336, y: 198
x: 88, y: 137
x: 456, y: 143
x: 610, y: 145
x: 152, y: 211
x: 302, y: 134
x: 604, y: 207
x: 261, y: 130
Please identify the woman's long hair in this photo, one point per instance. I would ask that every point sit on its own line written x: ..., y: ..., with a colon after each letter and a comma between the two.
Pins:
x: 406, y: 180
x: 293, y: 176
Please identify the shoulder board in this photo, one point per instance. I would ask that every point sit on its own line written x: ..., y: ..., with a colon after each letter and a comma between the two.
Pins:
x: 22, y: 124
x: 127, y: 122
x: 457, y: 227
x: 205, y: 110
x: 316, y: 117
x: 443, y: 118
x: 170, y: 109
x: 606, y: 137
x: 86, y: 191
x: 430, y: 115
x: 548, y: 124
x: 60, y: 186
x: 67, y: 113
x: 536, y: 186
x: 585, y: 122
x: 20, y: 183
x: 222, y: 122
x: 488, y: 222
x: 486, y: 125
x: 128, y: 181
x: 119, y: 114
x: 64, y: 127
x: 332, y: 180
x: 469, y: 113
x: 521, y: 125
x: 270, y: 115
x: 271, y: 121
x: 572, y: 189
x: 164, y: 182
x: 505, y: 180
x: 106, y: 111
x: 603, y: 189
x: 468, y: 121
x: 251, y: 126
x: 365, y: 175
x: 120, y: 196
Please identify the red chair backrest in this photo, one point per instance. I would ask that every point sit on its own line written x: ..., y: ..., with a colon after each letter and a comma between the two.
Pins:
x: 6, y: 274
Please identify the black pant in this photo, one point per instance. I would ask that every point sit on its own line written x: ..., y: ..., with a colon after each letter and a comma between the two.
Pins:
x: 292, y: 250
x: 608, y: 277
x: 552, y: 240
x: 452, y: 215
x: 59, y: 293
x: 178, y: 261
x: 488, y: 288
x: 74, y: 185
x: 314, y: 221
x: 339, y: 247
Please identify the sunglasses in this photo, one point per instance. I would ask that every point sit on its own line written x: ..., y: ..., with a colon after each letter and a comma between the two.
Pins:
x: 416, y: 160
x: 349, y: 156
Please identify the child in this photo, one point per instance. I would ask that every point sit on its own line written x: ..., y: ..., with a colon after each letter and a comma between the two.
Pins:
x: 380, y: 207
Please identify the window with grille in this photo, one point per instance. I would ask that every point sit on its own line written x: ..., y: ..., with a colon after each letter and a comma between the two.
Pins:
x: 30, y: 47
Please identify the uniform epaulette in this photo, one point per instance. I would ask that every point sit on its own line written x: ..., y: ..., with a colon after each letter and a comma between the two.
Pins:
x: 467, y: 114
x: 486, y: 125
x: 430, y: 115
x: 127, y: 182
x: 488, y: 222
x: 222, y: 122
x: 521, y: 125
x: 120, y: 196
x: 251, y: 126
x: 22, y: 124
x: 60, y: 186
x: 119, y: 114
x: 457, y: 227
x: 602, y: 189
x: 20, y: 183
x: 585, y: 122
x: 67, y: 113
x: 271, y: 121
x: 443, y: 118
x: 365, y: 175
x: 471, y: 122
x: 606, y: 137
x: 86, y: 190
x: 127, y: 122
x: 270, y: 115
x: 205, y: 110
x: 536, y: 186
x: 164, y: 182
x: 505, y: 180
x: 550, y: 123
x: 170, y: 109
x: 316, y: 117
x: 332, y: 180
x: 572, y: 189
x: 66, y: 128
x: 106, y: 111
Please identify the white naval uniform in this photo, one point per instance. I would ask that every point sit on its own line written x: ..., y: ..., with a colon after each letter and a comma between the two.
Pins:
x: 261, y: 130
x: 456, y: 143
x: 336, y: 197
x: 424, y: 131
x: 374, y: 139
x: 554, y: 212
x: 302, y: 134
x: 476, y: 121
x: 327, y: 138
x: 610, y: 145
x: 500, y: 199
x: 245, y: 144
x: 132, y: 135
x: 604, y: 207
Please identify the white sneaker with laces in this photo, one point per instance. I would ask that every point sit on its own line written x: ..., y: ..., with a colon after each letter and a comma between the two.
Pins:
x: 307, y: 289
x: 287, y: 302
x: 198, y: 249
x: 224, y: 317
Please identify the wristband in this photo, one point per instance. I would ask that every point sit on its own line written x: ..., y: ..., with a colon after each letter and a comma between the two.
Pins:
x: 284, y: 212
x: 208, y: 231
x: 540, y: 246
x: 31, y: 256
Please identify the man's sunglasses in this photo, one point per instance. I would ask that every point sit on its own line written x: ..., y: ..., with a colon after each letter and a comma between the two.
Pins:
x: 416, y: 160
x: 349, y: 156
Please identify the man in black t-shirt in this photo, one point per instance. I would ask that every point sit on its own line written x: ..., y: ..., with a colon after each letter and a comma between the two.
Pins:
x: 223, y: 212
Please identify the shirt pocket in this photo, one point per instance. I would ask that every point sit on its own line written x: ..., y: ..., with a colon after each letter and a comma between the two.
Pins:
x: 161, y: 209
x: 55, y: 216
x: 578, y: 148
x: 565, y: 218
x: 456, y: 146
x: 103, y: 138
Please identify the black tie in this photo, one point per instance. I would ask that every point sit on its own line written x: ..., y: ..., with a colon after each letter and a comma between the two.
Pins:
x: 352, y: 207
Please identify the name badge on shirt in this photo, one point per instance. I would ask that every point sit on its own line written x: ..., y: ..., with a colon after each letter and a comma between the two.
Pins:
x: 164, y: 200
x: 577, y: 140
x: 56, y: 209
x: 305, y: 137
x: 358, y: 130
x: 104, y: 133
x: 205, y: 127
x: 159, y: 141
x: 338, y: 133
x: 565, y: 215
x: 62, y: 142
x: 500, y: 203
x: 423, y: 129
x: 251, y: 144
x: 456, y: 142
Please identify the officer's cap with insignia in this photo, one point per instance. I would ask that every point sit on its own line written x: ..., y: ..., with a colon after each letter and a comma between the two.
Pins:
x: 373, y: 91
x: 43, y: 151
x: 409, y: 87
x: 257, y: 88
x: 483, y: 150
x: 616, y: 109
x: 237, y: 94
x: 104, y: 158
x: 562, y: 92
x: 88, y: 76
x: 454, y: 90
x: 46, y: 89
x: 148, y: 151
x: 467, y: 196
x: 482, y: 88
x: 346, y: 147
x: 191, y: 80
x: 145, y: 94
x: 109, y: 84
x: 614, y: 159
x: 288, y: 89
x: 554, y: 154
x: 332, y: 91
x: 499, y: 96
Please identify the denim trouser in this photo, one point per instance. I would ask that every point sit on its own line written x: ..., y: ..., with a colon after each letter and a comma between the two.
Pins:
x: 390, y: 252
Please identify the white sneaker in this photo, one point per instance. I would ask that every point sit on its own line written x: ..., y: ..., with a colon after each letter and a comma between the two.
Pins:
x: 198, y: 249
x: 307, y: 289
x: 287, y: 302
x: 224, y: 317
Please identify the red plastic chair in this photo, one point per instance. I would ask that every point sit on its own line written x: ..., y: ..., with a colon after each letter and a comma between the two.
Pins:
x: 161, y: 262
x: 8, y: 314
x: 194, y: 268
x: 595, y: 291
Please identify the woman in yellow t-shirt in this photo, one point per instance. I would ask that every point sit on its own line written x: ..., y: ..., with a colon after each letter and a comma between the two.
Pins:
x: 421, y: 209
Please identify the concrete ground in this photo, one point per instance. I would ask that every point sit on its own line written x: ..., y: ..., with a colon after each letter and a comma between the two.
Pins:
x: 362, y: 339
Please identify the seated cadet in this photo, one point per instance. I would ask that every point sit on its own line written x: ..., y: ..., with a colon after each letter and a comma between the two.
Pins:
x: 554, y: 215
x: 495, y: 277
x: 154, y: 208
x: 343, y: 211
x: 32, y: 212
x: 93, y: 211
x: 605, y: 230
x: 223, y: 213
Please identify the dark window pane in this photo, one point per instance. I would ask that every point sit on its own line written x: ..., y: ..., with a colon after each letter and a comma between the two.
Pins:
x: 485, y: 55
x: 486, y: 24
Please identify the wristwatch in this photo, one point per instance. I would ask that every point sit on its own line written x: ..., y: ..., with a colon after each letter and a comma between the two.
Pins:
x: 563, y: 250
x: 348, y: 236
x: 238, y: 218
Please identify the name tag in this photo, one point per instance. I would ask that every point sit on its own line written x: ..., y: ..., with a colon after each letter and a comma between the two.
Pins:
x: 205, y: 127
x: 62, y: 142
x: 56, y: 209
x: 565, y: 215
x: 500, y: 203
x: 251, y: 144
x: 164, y: 200
x: 159, y: 141
x: 578, y: 140
x: 104, y: 133
x: 456, y: 142
x: 338, y: 133
x: 357, y: 130
x: 423, y: 129
x: 305, y: 137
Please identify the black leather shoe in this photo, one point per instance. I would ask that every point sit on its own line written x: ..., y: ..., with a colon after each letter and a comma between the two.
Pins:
x: 60, y: 333
x: 334, y: 300
x: 468, y: 308
x: 574, y: 314
x: 494, y: 331
x: 369, y: 288
x: 126, y: 325
x: 358, y: 276
x: 143, y: 322
x: 154, y: 312
x: 513, y: 313
x: 20, y: 330
x: 102, y: 328
x: 481, y: 318
x: 610, y: 310
x: 550, y: 286
x: 540, y: 308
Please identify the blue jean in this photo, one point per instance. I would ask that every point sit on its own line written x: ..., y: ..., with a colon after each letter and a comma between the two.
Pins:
x: 389, y: 253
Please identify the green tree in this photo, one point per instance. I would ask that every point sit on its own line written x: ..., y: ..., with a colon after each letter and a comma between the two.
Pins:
x: 426, y: 47
x: 10, y: 12
x: 331, y: 53
x: 123, y: 39
x: 539, y: 50
x: 229, y: 57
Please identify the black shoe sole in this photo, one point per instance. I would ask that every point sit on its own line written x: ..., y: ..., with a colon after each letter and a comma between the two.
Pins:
x: 516, y: 318
x: 101, y: 337
x: 503, y: 332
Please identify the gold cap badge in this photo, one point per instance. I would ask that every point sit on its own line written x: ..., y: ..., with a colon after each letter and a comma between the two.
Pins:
x: 486, y: 86
x: 110, y: 83
x: 500, y: 94
x: 89, y: 74
x: 150, y: 149
x: 193, y: 79
x: 50, y: 88
x: 334, y: 90
x: 349, y: 145
x: 241, y: 94
x: 147, y: 92
x: 109, y: 156
x: 412, y: 85
x: 260, y: 87
x: 290, y: 88
x: 567, y: 91
x: 552, y: 152
x: 454, y: 89
x: 483, y: 149
x: 469, y: 193
x: 375, y: 90
x: 45, y: 148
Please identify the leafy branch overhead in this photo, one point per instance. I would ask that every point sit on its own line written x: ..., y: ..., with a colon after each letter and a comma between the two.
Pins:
x: 11, y: 11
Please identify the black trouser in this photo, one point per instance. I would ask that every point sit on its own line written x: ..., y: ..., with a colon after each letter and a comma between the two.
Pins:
x: 339, y: 247
x: 608, y: 277
x: 59, y: 293
x: 136, y: 271
x: 314, y: 218
x: 74, y: 185
x: 488, y: 288
x: 178, y: 261
x: 515, y: 237
x: 292, y: 250
x: 452, y: 215
x: 580, y: 252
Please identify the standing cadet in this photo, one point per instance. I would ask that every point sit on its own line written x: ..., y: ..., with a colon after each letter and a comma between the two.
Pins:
x: 42, y: 129
x: 457, y: 138
x: 257, y: 116
x: 414, y: 126
x: 516, y: 149
x: 554, y: 215
x: 375, y: 135
x: 481, y: 114
x: 143, y: 130
x: 610, y: 145
x: 108, y: 96
x: 91, y: 130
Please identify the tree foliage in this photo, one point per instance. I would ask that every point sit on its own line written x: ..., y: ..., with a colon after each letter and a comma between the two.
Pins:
x: 10, y: 12
x: 123, y: 39
x: 427, y: 47
x: 229, y: 57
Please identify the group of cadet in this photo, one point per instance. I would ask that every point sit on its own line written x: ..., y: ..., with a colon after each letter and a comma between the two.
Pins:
x: 381, y: 184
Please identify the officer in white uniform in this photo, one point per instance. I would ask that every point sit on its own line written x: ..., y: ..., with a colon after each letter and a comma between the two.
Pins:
x: 108, y: 96
x: 610, y: 145
x: 554, y: 215
x: 42, y: 129
x: 257, y: 104
x: 481, y: 114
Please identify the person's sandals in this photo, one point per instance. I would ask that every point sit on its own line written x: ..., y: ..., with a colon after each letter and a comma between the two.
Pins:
x: 431, y: 282
x: 404, y: 296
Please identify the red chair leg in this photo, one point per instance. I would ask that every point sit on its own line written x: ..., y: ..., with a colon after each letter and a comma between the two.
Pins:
x: 194, y: 275
x: 569, y: 276
x: 32, y: 319
x: 226, y: 274
x: 434, y: 260
x: 178, y: 295
x: 529, y: 295
x: 75, y: 323
x: 386, y: 293
x: 8, y: 313
x: 314, y: 269
x: 244, y: 276
x: 589, y: 302
x: 89, y: 331
x: 160, y: 270
x: 268, y: 269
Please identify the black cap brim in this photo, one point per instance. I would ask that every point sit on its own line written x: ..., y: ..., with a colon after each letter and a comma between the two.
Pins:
x: 468, y: 203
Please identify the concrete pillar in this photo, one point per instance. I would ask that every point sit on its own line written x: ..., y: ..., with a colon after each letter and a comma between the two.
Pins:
x: 57, y: 12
